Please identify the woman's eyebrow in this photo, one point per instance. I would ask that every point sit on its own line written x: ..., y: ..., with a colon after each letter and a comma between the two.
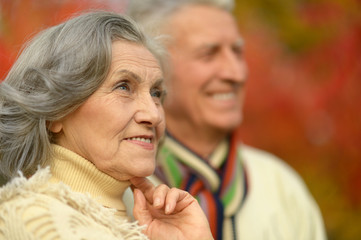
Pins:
x: 129, y: 73
x: 136, y: 77
x: 158, y: 82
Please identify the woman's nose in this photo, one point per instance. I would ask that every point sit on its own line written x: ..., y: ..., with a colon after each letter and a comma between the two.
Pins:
x: 149, y: 112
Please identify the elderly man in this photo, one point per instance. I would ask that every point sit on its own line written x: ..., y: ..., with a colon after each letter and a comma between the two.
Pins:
x: 246, y: 193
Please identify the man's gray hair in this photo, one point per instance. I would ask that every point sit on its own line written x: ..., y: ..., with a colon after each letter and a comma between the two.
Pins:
x: 153, y: 14
x: 57, y: 71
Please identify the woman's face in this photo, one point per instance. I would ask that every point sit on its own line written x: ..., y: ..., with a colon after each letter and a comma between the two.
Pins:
x: 118, y: 127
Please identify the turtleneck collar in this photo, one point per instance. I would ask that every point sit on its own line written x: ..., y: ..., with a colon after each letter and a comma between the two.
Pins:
x: 82, y: 176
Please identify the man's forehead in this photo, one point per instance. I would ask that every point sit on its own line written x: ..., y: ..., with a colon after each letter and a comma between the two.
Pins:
x: 207, y: 43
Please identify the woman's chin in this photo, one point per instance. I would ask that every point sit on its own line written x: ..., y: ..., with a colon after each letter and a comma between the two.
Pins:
x: 147, y: 172
x: 143, y: 173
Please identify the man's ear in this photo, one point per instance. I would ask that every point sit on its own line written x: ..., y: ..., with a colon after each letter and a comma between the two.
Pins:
x: 55, y: 127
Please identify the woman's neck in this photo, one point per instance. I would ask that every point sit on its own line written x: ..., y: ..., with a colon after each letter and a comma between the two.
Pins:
x: 82, y: 176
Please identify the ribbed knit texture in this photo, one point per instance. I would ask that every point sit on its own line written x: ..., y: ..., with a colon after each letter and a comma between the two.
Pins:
x: 82, y: 176
x: 39, y: 208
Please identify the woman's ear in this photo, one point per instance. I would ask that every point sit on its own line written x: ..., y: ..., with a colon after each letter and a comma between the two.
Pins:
x: 55, y: 127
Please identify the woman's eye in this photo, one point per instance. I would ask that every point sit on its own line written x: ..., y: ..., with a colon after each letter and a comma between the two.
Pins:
x: 157, y: 93
x: 124, y: 86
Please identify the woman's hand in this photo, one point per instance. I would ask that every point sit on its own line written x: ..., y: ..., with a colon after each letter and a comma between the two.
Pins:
x: 168, y: 213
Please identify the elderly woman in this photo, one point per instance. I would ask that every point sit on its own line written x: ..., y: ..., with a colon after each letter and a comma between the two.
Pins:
x: 80, y: 119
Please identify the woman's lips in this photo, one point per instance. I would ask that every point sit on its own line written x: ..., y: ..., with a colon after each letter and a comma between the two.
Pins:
x: 145, y: 142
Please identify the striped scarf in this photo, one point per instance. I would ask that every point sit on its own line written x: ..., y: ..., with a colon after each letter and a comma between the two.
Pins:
x: 218, y: 183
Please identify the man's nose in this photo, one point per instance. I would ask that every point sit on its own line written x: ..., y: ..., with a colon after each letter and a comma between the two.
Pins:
x: 233, y: 67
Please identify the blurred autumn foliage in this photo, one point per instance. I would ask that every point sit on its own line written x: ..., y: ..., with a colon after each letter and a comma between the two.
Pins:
x: 304, y: 88
x: 304, y: 97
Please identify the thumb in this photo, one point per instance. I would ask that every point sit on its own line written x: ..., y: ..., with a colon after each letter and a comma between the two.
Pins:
x: 140, y: 210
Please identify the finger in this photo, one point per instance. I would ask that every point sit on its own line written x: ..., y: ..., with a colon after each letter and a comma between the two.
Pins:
x: 159, y: 195
x: 173, y: 197
x: 140, y: 211
x: 177, y: 199
x: 144, y: 185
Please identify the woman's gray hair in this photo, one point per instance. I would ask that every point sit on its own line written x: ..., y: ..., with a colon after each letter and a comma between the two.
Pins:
x: 57, y: 71
x: 153, y: 14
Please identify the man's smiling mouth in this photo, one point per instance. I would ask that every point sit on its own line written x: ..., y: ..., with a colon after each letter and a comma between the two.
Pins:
x: 224, y: 96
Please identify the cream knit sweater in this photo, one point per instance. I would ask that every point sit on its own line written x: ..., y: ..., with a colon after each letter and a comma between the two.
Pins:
x: 69, y: 200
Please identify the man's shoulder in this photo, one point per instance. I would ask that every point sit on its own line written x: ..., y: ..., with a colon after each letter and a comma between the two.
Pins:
x: 265, y: 165
x: 275, y: 187
x: 259, y: 157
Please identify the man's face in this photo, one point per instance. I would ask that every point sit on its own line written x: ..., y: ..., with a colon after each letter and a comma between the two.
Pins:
x: 206, y: 88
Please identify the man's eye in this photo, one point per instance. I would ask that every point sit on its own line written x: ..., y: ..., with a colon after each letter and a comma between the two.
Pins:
x: 238, y: 51
x: 209, y: 55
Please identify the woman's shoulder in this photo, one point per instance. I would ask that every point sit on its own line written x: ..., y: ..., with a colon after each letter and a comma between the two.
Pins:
x: 34, y: 207
x: 20, y: 192
x: 23, y: 209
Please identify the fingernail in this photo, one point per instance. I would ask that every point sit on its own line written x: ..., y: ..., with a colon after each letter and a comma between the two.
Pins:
x: 167, y: 209
x: 157, y: 202
x: 136, y: 193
